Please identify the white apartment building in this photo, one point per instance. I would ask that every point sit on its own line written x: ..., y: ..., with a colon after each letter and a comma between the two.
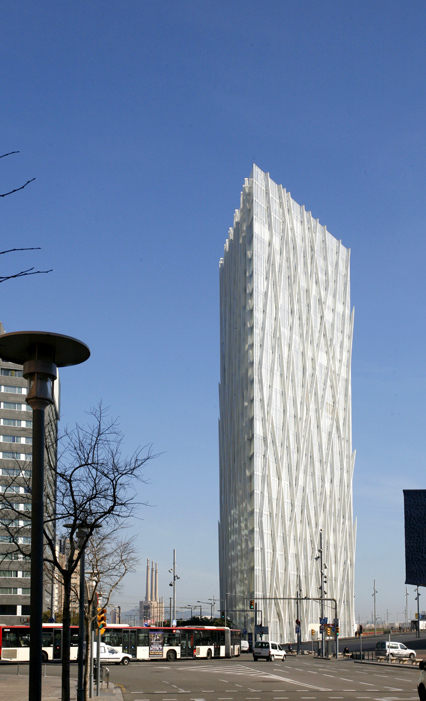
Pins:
x: 285, y: 430
x: 15, y: 494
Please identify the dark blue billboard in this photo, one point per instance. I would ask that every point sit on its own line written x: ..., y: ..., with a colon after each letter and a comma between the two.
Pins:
x: 415, y: 536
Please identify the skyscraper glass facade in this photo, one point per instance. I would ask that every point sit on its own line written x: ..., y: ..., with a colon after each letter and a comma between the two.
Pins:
x: 285, y: 431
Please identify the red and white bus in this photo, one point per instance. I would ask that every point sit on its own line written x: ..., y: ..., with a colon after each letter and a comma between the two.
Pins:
x: 141, y: 643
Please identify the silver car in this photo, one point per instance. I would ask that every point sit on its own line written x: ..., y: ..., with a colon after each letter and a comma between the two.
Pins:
x: 384, y: 648
x: 268, y: 651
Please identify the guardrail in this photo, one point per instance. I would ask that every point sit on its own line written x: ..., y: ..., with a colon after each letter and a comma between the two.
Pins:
x: 371, y: 656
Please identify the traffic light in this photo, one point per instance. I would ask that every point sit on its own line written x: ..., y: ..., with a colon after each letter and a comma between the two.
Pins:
x: 337, y: 631
x: 251, y: 604
x: 222, y: 615
x: 101, y: 619
x: 328, y: 630
x: 313, y: 632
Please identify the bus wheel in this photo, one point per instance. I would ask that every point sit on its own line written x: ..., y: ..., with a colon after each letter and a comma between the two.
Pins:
x: 171, y: 655
x: 44, y: 656
x: 209, y: 654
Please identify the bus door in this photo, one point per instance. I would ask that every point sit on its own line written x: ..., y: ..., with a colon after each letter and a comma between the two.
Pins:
x: 216, y: 634
x: 186, y: 644
x: 130, y: 642
x: 57, y: 643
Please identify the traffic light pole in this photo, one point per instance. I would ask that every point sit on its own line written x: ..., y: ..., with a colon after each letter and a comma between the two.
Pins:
x: 98, y: 663
x: 298, y: 599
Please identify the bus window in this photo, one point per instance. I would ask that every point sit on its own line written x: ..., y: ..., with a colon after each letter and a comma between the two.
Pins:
x: 113, y: 637
x: 16, y: 638
x: 47, y: 638
x: 143, y: 638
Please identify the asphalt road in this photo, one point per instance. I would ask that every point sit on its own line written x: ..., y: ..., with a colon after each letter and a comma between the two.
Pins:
x: 298, y: 678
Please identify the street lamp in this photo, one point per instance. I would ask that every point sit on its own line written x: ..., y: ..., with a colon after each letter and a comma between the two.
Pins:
x: 188, y: 606
x: 208, y: 603
x: 323, y: 577
x: 41, y: 354
x: 173, y: 584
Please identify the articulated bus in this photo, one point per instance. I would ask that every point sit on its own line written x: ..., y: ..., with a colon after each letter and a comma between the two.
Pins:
x: 153, y: 643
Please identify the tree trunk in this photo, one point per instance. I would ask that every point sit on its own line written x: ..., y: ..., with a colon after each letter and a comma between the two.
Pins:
x: 66, y: 638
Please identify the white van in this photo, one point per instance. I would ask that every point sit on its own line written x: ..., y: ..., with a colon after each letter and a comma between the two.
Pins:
x: 108, y: 654
x: 268, y: 651
x: 384, y: 648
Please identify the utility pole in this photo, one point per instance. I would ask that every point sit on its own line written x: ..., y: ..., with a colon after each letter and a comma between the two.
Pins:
x: 418, y: 612
x: 173, y: 584
x: 323, y: 567
x: 374, y: 601
x: 406, y: 607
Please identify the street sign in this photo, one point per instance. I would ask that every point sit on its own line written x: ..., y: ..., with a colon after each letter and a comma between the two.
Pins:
x: 323, y: 621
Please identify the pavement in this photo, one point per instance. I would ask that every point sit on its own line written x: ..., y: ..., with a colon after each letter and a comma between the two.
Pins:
x: 15, y: 688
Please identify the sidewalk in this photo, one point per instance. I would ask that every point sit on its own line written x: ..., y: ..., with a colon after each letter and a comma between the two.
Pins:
x: 15, y: 688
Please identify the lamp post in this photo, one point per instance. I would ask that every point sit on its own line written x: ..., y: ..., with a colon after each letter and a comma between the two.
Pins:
x: 208, y: 603
x: 173, y: 584
x: 188, y: 606
x: 323, y: 567
x: 213, y: 604
x: 41, y: 354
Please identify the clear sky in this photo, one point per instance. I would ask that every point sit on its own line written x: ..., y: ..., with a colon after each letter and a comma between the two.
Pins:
x: 140, y: 121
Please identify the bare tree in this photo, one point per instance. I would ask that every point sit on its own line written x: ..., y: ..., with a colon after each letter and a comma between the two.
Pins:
x: 28, y: 271
x: 109, y: 557
x: 95, y: 487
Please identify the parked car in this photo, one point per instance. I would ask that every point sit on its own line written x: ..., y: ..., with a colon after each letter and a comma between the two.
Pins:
x: 108, y: 654
x: 245, y: 647
x: 268, y: 650
x: 384, y: 648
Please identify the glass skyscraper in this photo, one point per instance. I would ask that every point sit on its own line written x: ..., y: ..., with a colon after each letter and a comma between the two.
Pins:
x: 285, y: 431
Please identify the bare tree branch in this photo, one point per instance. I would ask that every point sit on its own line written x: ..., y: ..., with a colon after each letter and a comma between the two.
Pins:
x: 9, y: 154
x: 16, y: 189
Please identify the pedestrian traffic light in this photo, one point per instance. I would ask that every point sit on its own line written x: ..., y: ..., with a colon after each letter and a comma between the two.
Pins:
x: 101, y: 619
x: 251, y: 604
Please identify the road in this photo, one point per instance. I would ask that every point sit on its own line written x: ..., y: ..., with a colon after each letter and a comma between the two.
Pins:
x: 298, y: 678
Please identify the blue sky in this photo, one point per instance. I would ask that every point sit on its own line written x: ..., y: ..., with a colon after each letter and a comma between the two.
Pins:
x: 140, y: 121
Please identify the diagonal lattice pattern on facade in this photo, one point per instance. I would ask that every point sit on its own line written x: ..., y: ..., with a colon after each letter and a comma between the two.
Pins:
x: 285, y: 432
